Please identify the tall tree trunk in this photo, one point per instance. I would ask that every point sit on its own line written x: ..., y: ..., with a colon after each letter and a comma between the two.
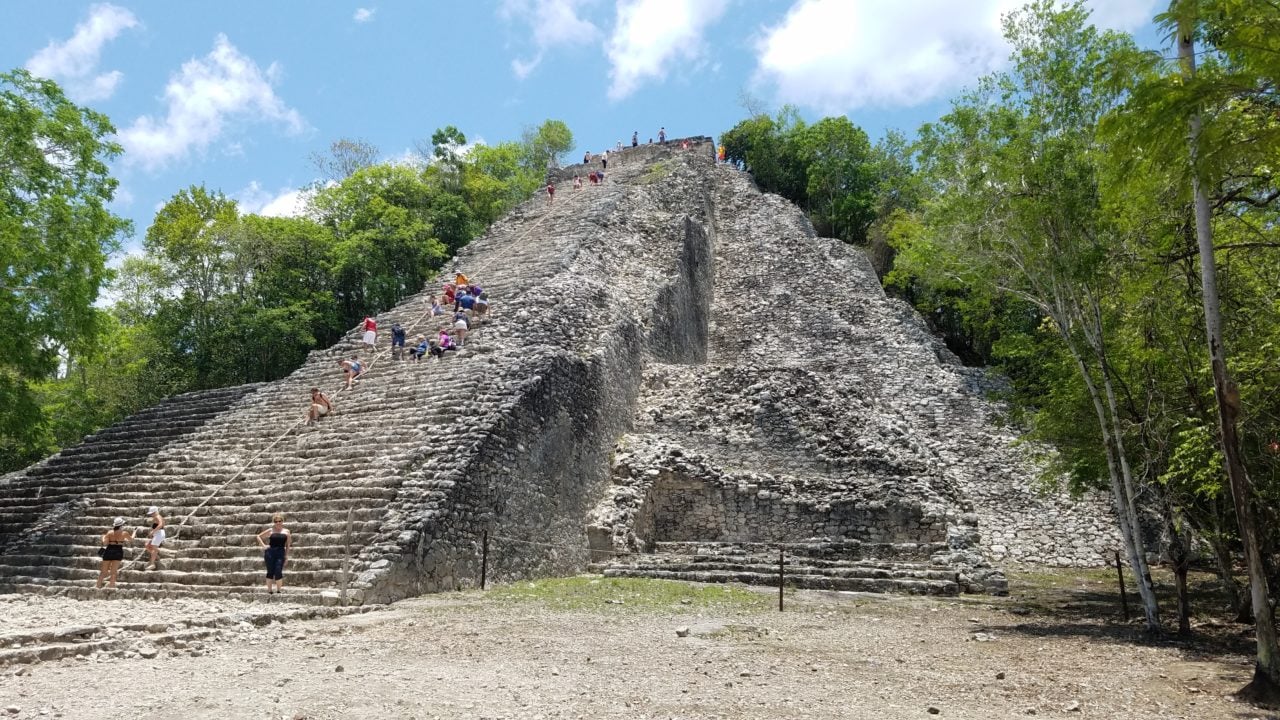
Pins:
x: 1130, y: 533
x: 1266, y: 673
x: 1146, y: 588
x: 1236, y: 600
x: 1180, y: 558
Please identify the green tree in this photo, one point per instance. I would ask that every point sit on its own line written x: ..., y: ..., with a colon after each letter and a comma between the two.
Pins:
x: 546, y: 145
x: 494, y: 180
x: 385, y: 245
x: 1208, y: 125
x: 1019, y: 211
x: 55, y: 235
x: 841, y: 178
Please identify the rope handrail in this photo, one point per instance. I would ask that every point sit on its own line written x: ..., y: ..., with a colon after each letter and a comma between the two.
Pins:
x: 377, y: 356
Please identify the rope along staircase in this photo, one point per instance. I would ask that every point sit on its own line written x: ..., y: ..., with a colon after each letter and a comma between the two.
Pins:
x: 220, y: 462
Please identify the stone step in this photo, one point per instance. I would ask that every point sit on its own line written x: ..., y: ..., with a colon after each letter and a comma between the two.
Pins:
x: 761, y: 565
x: 818, y: 549
x: 85, y: 590
x: 169, y: 579
x: 811, y: 582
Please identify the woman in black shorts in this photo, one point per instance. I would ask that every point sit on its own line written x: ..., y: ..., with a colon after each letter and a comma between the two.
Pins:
x: 112, y: 552
x: 277, y: 540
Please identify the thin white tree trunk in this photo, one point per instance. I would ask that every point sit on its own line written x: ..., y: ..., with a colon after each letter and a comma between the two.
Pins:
x: 1121, y: 489
x: 1266, y: 677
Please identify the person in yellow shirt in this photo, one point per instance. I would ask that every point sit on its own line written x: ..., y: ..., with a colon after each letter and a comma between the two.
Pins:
x: 720, y: 154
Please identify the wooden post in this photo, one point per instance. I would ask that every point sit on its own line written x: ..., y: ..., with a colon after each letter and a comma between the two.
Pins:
x: 782, y: 573
x: 484, y: 559
x: 1124, y: 596
x: 346, y: 558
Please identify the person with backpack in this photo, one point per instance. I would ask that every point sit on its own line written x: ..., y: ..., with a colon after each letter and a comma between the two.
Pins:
x: 397, y: 341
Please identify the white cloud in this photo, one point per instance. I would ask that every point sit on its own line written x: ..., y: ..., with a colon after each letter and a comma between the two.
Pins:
x: 364, y: 15
x: 286, y: 202
x: 74, y: 63
x: 552, y: 23
x: 202, y: 98
x: 837, y: 55
x: 651, y: 36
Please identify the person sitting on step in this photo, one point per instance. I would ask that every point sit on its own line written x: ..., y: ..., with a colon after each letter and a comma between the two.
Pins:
x: 436, y: 307
x: 156, y: 538
x: 437, y: 350
x: 450, y: 292
x: 420, y: 349
x: 320, y: 406
x: 351, y: 369
x: 444, y: 343
x: 113, y: 542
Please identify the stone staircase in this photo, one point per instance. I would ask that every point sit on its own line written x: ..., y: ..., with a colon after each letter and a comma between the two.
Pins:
x: 397, y: 484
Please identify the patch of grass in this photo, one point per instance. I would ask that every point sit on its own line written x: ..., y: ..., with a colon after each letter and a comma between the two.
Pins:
x: 586, y: 592
x: 657, y: 172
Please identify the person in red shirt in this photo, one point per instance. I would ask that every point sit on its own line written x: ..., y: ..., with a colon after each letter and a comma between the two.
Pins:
x: 370, y: 331
x: 551, y: 192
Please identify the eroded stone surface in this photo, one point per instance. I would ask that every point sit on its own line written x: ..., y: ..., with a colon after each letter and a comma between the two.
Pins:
x: 672, y: 357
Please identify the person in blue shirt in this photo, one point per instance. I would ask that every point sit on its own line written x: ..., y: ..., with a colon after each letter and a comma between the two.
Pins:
x: 397, y: 341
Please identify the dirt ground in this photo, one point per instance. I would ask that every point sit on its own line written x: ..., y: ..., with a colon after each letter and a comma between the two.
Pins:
x: 600, y: 648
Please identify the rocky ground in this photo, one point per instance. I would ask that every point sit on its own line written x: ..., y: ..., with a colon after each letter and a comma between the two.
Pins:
x: 589, y: 647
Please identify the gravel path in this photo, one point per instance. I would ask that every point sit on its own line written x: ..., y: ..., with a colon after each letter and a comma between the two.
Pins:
x: 467, y: 655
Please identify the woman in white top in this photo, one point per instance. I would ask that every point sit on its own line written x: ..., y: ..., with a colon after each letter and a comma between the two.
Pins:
x: 156, y: 538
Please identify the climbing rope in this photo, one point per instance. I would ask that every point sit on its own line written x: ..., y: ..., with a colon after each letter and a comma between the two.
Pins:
x: 377, y: 356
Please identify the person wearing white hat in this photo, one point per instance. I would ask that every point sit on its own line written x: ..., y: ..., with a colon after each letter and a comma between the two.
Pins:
x: 112, y: 552
x: 156, y: 539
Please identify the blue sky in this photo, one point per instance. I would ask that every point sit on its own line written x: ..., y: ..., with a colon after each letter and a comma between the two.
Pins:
x: 235, y: 94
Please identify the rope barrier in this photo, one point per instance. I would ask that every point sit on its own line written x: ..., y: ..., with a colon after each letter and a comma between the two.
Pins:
x: 377, y: 356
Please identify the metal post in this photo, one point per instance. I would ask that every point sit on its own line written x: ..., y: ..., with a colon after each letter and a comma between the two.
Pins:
x: 1124, y: 596
x: 484, y: 559
x: 782, y: 573
x: 346, y: 558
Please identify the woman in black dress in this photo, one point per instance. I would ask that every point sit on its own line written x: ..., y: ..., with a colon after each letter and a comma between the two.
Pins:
x: 113, y: 542
x: 277, y: 540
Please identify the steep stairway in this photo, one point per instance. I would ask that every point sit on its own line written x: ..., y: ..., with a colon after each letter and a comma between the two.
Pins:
x: 399, y: 478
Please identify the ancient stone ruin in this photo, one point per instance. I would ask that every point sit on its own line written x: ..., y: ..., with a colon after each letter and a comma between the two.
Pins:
x: 679, y: 379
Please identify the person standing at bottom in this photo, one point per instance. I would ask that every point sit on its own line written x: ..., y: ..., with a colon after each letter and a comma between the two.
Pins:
x: 277, y: 540
x: 156, y: 539
x: 551, y: 192
x: 113, y: 543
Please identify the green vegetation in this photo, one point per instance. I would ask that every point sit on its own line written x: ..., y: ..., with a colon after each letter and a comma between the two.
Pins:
x: 219, y: 297
x: 587, y: 592
x: 656, y: 173
x: 55, y: 236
